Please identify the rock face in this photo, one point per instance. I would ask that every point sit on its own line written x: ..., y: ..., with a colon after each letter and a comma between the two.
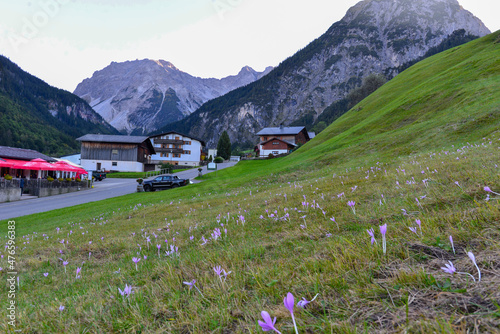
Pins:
x: 138, y: 97
x: 375, y: 36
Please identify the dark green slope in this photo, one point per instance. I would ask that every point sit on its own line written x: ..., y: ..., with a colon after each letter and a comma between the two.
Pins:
x: 35, y: 115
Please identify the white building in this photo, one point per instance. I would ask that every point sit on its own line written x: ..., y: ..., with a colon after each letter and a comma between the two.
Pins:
x: 116, y: 153
x: 75, y: 159
x: 177, y: 149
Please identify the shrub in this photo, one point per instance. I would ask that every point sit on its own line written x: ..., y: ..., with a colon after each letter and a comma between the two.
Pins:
x: 218, y: 160
x: 60, y: 179
x: 50, y: 179
x: 8, y: 177
x: 168, y: 166
x: 139, y: 181
x: 69, y: 179
x: 78, y: 179
x: 270, y: 156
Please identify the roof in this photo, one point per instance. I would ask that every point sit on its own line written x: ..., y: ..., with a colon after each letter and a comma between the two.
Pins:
x: 280, y: 131
x: 22, y: 154
x: 277, y: 139
x: 179, y: 133
x: 113, y: 139
x: 117, y: 139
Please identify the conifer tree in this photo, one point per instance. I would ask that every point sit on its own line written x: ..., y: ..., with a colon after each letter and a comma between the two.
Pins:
x: 224, y: 146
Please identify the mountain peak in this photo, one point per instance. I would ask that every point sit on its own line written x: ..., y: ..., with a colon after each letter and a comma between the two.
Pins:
x: 165, y: 64
x: 374, y: 37
x: 247, y: 69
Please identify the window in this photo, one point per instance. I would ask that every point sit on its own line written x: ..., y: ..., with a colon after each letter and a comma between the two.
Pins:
x: 276, y: 152
x: 276, y: 142
x: 187, y: 143
x: 163, y: 146
x: 176, y: 138
x: 164, y: 155
x: 114, y: 163
x: 187, y: 152
x: 177, y: 155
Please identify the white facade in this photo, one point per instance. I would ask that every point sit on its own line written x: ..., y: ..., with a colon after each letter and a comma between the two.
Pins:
x: 122, y: 166
x: 75, y: 158
x: 176, y: 149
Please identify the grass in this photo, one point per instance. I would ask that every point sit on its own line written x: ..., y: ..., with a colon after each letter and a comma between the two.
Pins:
x: 263, y: 204
x: 137, y: 175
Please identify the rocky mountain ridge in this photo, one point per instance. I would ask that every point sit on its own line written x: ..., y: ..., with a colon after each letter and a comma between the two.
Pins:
x: 375, y: 36
x: 138, y: 97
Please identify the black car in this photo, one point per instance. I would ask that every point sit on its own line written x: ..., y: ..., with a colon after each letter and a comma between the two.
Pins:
x: 164, y: 182
x: 98, y: 176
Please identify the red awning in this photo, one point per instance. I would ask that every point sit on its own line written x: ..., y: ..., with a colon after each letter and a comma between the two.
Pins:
x: 4, y: 163
x: 63, y: 165
x: 40, y: 164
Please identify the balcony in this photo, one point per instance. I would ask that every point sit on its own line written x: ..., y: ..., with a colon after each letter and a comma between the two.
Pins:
x: 169, y: 150
x: 168, y: 141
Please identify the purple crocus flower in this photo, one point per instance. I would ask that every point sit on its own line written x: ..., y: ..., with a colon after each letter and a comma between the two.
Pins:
x: 78, y: 269
x: 383, y: 231
x: 136, y: 260
x: 268, y: 324
x: 449, y: 268
x: 45, y: 274
x: 488, y: 189
x: 193, y: 283
x: 218, y: 270
x: 371, y: 232
x: 61, y: 308
x: 473, y: 259
x: 413, y: 229
x: 352, y: 204
x: 289, y: 302
x: 126, y: 291
x: 302, y: 303
x: 419, y: 223
x: 333, y: 220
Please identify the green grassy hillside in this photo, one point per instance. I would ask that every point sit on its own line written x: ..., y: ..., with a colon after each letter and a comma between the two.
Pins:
x: 416, y: 155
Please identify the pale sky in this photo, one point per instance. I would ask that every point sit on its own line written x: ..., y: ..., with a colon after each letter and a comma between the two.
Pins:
x: 64, y: 41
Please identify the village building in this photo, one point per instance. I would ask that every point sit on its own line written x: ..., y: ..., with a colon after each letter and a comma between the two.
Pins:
x: 13, y: 159
x: 281, y: 140
x: 116, y: 153
x: 177, y: 149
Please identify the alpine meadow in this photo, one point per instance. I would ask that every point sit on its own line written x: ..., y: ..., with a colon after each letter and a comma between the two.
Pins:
x: 386, y: 222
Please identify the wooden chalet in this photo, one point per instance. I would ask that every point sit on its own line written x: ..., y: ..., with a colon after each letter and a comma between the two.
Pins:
x: 116, y: 153
x: 281, y: 140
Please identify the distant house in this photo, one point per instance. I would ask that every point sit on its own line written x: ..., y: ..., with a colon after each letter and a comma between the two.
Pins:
x: 275, y: 147
x: 116, y: 153
x: 281, y: 140
x: 177, y: 149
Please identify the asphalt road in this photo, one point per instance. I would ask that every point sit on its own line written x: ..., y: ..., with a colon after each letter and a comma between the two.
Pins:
x: 107, y: 188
